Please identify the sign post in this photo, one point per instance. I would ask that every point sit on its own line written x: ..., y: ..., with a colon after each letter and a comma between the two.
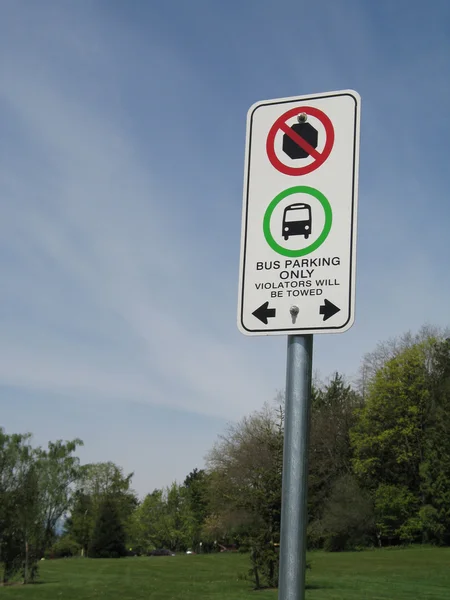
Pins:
x: 295, y: 468
x: 297, y: 267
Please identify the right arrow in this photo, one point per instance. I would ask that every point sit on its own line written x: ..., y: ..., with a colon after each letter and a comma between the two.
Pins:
x: 328, y: 309
x: 264, y: 312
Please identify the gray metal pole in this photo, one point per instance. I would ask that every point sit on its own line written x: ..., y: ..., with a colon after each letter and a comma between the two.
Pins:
x: 295, y: 468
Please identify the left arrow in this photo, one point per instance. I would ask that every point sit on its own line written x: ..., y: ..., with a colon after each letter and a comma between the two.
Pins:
x: 264, y: 312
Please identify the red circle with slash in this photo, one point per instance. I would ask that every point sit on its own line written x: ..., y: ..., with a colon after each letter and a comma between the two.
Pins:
x: 281, y: 125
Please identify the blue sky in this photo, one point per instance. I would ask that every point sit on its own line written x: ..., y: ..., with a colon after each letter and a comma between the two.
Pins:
x: 122, y: 134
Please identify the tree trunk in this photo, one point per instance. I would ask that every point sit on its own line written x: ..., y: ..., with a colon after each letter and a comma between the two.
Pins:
x: 255, y: 569
x: 25, y: 578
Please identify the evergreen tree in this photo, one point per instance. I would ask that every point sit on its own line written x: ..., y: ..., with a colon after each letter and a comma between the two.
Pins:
x: 108, y: 540
x: 330, y: 454
x: 197, y: 488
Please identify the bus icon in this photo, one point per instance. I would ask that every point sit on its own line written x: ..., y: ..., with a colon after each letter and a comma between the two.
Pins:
x: 297, y: 220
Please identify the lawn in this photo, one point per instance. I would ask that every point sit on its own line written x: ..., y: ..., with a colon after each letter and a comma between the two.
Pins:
x: 373, y: 575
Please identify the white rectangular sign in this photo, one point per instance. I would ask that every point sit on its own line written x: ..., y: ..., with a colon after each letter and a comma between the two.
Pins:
x: 297, y: 268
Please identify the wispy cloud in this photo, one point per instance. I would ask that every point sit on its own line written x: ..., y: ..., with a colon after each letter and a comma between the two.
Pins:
x: 98, y: 287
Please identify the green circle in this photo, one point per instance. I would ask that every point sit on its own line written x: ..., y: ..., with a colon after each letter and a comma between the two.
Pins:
x: 299, y: 189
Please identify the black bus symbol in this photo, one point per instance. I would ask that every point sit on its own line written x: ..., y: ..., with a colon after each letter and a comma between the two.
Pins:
x: 297, y: 220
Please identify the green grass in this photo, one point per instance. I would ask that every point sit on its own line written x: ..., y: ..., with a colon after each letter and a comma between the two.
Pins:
x: 373, y: 575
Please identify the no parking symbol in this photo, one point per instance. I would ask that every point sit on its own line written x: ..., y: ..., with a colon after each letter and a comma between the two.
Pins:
x: 300, y: 137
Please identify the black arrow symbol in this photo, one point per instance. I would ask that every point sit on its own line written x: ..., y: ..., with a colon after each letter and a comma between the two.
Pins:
x: 264, y: 312
x: 328, y: 309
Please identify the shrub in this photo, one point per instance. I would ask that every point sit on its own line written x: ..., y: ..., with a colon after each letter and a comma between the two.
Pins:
x: 64, y: 547
x: 348, y: 519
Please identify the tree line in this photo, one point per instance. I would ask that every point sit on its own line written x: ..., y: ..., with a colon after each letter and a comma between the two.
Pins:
x: 379, y: 475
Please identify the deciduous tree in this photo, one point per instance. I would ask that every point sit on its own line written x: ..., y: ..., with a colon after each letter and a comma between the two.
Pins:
x: 246, y: 472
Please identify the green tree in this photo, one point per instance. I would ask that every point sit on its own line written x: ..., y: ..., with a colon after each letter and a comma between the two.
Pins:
x: 330, y: 452
x: 59, y: 472
x: 246, y: 471
x: 389, y: 438
x: 27, y: 500
x: 401, y: 443
x: 387, y: 350
x: 180, y: 520
x: 148, y: 523
x: 108, y: 540
x: 80, y: 525
x: 395, y: 506
x: 98, y: 481
x: 106, y: 478
x: 19, y: 506
x: 197, y: 492
x: 435, y: 466
x: 164, y: 520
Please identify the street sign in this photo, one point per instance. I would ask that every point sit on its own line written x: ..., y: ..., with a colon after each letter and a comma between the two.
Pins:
x: 298, y: 244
